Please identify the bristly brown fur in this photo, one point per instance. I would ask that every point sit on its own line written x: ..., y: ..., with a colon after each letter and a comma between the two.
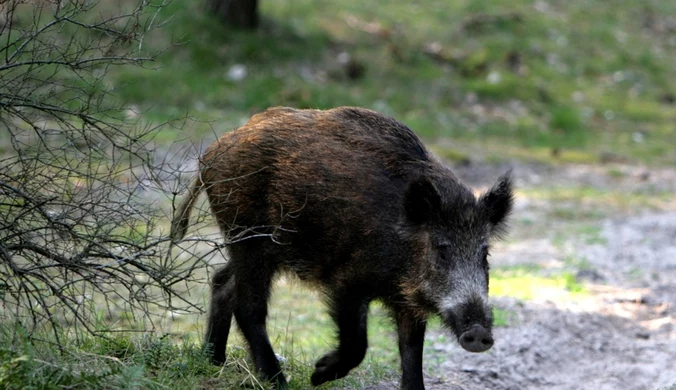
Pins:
x: 179, y: 225
x: 353, y: 202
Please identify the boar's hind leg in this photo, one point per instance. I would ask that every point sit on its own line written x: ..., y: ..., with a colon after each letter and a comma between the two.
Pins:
x: 411, y: 332
x: 220, y: 313
x: 349, y: 313
x: 253, y: 275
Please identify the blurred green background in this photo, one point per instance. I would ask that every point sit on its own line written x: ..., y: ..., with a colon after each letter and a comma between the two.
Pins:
x: 575, y: 81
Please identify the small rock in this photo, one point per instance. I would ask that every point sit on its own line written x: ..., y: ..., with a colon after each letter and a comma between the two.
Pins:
x: 638, y: 137
x: 343, y: 58
x: 280, y: 358
x: 237, y: 72
x: 494, y: 77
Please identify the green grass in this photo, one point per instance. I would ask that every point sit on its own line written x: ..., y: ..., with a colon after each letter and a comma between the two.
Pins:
x: 300, y: 333
x: 525, y: 284
x: 123, y: 362
x: 157, y: 361
x: 576, y: 77
x: 579, y: 203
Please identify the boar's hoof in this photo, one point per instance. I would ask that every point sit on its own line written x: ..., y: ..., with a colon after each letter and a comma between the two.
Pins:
x: 328, y: 368
x: 218, y: 358
x: 476, y: 339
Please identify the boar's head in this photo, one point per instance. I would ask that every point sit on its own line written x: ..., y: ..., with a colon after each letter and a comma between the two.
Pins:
x: 452, y: 231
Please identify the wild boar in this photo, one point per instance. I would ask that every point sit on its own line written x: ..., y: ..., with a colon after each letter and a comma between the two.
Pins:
x: 352, y: 202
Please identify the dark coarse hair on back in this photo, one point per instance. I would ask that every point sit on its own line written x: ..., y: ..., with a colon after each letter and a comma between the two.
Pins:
x: 402, y: 141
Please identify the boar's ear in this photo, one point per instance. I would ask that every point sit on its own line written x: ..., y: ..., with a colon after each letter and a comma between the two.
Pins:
x: 421, y: 200
x: 497, y: 203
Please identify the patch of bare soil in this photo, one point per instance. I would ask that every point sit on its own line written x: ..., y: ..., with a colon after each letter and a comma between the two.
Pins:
x: 621, y: 335
x: 568, y: 348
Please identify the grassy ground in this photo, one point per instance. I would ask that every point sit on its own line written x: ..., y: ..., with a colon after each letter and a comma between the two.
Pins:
x: 557, y: 82
x: 172, y: 357
x: 568, y: 81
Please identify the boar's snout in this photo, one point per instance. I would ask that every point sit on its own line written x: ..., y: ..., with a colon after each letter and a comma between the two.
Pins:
x: 476, y: 339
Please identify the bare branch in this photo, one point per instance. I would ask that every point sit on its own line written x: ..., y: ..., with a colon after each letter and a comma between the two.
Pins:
x: 80, y: 231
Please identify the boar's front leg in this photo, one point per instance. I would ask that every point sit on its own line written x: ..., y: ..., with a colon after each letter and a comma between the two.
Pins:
x: 349, y: 313
x: 411, y: 332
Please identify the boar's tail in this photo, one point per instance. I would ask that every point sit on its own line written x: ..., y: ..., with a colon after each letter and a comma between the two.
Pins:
x: 179, y: 225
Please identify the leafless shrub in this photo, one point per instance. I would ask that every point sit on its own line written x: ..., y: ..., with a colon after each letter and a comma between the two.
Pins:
x: 82, y: 221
